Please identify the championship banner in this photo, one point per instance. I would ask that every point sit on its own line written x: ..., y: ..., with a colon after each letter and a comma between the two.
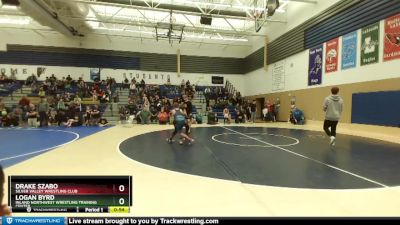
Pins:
x: 370, y: 44
x: 349, y: 50
x: 392, y: 38
x: 315, y: 66
x: 331, y: 55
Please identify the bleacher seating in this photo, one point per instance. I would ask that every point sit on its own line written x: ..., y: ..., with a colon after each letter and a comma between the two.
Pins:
x: 220, y: 111
x: 8, y: 88
x: 170, y: 91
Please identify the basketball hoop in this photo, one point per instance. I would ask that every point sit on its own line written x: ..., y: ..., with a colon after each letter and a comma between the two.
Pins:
x: 258, y: 14
x: 259, y: 20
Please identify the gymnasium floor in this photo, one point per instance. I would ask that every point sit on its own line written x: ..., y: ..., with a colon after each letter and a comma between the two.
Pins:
x: 262, y: 169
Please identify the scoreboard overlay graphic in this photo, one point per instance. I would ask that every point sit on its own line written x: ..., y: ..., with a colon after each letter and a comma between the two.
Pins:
x: 62, y: 194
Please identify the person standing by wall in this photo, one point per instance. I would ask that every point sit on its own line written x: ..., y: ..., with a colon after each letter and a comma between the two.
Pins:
x: 253, y: 108
x: 333, y: 107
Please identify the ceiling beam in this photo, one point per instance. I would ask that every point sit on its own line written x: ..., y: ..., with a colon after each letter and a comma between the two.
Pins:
x: 187, y: 28
x: 195, y: 13
x: 305, y: 1
x: 175, y: 8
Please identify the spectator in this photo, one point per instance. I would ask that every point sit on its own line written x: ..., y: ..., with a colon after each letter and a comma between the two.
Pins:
x: 132, y: 87
x: 94, y: 115
x: 78, y: 103
x: 253, y: 108
x: 211, y: 117
x: 163, y: 117
x: 24, y: 102
x: 183, y: 84
x: 123, y: 113
x: 199, y: 118
x: 271, y: 108
x: 265, y: 112
x: 61, y: 105
x: 207, y: 95
x: 103, y: 122
x: 296, y: 116
x: 144, y: 115
x: 42, y: 92
x: 168, y: 81
x: 143, y: 84
x: 125, y: 83
x: 32, y: 116
x: 68, y: 79
x: 43, y: 108
x: 277, y: 106
x: 31, y: 79
x: 12, y: 77
x: 153, y: 114
x: 227, y: 115
x: 240, y: 115
x: 53, y: 116
x: 3, y: 78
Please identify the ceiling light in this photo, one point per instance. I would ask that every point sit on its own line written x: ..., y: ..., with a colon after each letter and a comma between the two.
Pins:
x: 14, y: 21
x: 9, y: 7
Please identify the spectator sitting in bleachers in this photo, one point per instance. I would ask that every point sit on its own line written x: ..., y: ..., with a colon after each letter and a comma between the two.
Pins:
x: 9, y: 120
x: 94, y: 115
x: 78, y: 103
x: 60, y: 84
x: 125, y: 84
x: 123, y: 113
x: 103, y: 122
x: 32, y: 116
x: 18, y: 114
x: 153, y: 114
x: 13, y: 77
x: 24, y: 104
x: 53, y: 116
x: 31, y: 79
x: 42, y: 92
x: 61, y: 105
x: 53, y: 78
x: 168, y: 82
x: 144, y: 115
x: 142, y: 84
x: 163, y: 117
x: 3, y: 78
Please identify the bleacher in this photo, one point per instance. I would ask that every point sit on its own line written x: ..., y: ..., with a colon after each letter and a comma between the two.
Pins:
x: 8, y: 88
x: 170, y: 91
x: 219, y: 110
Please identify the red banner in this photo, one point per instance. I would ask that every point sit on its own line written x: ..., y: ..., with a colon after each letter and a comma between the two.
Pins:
x: 392, y: 38
x: 331, y: 55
